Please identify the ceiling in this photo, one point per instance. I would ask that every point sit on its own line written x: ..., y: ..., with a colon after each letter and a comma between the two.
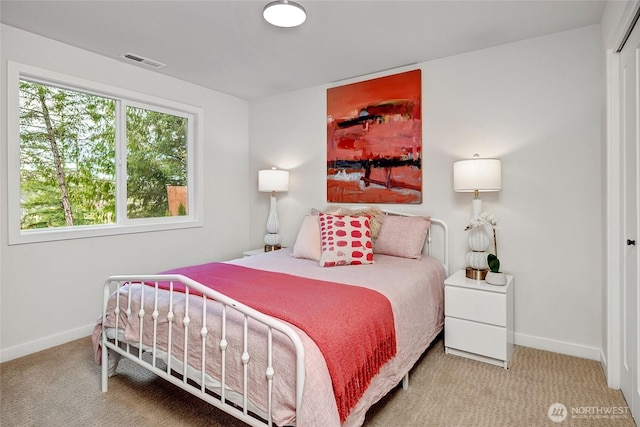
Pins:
x: 228, y: 47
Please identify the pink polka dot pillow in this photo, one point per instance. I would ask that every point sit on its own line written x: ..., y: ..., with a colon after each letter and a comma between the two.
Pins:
x: 345, y: 240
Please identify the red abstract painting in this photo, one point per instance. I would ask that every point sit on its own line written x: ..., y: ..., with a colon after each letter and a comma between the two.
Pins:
x: 374, y: 141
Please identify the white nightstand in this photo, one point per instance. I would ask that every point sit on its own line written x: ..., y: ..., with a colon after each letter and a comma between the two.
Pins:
x: 478, y: 319
x: 253, y: 252
x: 258, y: 251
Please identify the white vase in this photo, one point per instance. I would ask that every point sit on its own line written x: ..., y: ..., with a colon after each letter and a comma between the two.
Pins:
x: 498, y: 279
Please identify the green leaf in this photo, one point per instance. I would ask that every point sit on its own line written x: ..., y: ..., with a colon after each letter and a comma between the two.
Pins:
x: 494, y: 263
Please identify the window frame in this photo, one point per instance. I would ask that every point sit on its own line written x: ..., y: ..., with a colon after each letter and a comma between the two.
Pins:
x: 124, y: 97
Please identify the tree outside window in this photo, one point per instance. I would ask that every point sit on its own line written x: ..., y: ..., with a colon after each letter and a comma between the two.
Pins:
x: 68, y: 168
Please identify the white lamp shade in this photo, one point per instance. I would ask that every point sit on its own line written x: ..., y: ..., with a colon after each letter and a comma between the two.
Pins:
x: 273, y: 180
x: 284, y: 13
x: 477, y: 174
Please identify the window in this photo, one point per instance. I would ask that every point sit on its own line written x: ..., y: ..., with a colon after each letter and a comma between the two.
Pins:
x: 92, y: 160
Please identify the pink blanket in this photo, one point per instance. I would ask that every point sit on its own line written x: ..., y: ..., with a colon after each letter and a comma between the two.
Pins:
x: 352, y: 326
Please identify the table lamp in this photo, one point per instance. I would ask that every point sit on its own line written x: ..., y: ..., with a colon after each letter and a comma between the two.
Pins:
x: 477, y: 175
x: 271, y: 181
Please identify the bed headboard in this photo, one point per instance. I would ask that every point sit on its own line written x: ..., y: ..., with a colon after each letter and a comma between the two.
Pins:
x: 437, y: 242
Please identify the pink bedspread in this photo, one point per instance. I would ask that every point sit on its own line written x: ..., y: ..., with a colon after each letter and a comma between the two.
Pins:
x: 353, y: 326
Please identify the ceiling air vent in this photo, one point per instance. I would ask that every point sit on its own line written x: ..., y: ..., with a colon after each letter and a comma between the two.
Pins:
x: 142, y: 60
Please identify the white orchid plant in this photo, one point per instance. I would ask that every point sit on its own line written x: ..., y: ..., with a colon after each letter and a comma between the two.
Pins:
x: 482, y: 220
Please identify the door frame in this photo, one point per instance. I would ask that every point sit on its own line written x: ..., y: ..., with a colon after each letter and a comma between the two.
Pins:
x: 612, y: 354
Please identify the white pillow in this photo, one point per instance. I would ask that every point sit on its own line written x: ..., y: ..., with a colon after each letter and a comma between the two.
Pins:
x: 308, y: 241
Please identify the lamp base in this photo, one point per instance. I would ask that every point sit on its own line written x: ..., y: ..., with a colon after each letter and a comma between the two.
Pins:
x: 474, y: 274
x: 269, y: 248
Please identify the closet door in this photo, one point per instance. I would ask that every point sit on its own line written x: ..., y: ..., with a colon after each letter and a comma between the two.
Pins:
x: 630, y: 113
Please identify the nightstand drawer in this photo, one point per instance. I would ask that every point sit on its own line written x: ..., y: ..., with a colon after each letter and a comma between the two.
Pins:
x: 479, y: 306
x: 478, y: 338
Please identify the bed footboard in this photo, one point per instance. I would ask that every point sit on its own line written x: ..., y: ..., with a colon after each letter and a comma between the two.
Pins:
x: 188, y: 329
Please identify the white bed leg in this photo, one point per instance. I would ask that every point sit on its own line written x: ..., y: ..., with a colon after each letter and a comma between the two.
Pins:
x: 105, y: 367
x: 405, y: 381
x: 114, y: 359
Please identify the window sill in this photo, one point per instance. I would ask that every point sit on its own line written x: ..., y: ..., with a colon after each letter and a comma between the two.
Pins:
x: 51, y: 235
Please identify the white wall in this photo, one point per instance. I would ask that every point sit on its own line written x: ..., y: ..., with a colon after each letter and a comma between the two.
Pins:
x: 536, y: 104
x: 51, y: 292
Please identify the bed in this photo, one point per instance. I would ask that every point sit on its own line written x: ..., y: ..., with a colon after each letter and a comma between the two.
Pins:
x: 323, y: 345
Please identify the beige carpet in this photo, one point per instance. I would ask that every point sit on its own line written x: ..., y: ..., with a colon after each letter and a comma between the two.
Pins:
x: 61, y: 387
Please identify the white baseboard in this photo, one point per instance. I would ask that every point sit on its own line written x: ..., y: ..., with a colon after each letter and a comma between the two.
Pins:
x: 561, y: 347
x: 603, y: 360
x: 45, y: 343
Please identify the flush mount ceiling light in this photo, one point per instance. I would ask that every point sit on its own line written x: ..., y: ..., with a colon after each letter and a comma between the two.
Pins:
x: 284, y: 13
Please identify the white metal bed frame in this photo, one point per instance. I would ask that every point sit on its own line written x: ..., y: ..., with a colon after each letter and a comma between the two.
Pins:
x: 240, y: 409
